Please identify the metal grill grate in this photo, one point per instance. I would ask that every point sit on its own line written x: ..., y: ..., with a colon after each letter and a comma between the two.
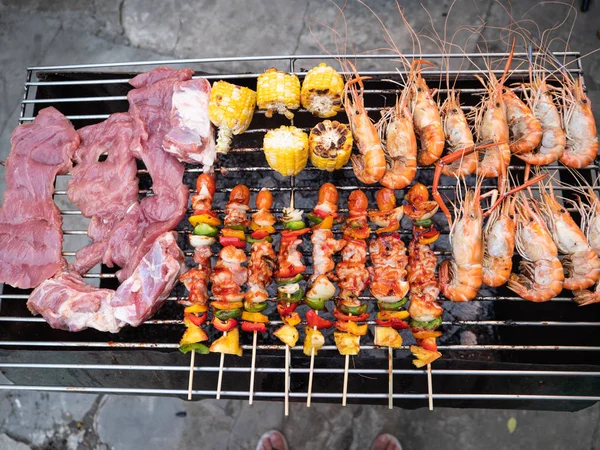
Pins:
x: 499, y: 351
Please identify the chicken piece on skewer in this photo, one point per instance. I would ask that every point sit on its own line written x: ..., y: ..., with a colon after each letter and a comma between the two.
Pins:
x: 261, y: 264
x: 388, y: 273
x: 424, y: 309
x: 353, y: 277
x: 196, y: 279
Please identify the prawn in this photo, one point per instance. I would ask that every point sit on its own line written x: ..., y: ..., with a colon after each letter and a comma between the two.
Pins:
x: 525, y: 130
x: 369, y: 165
x: 461, y: 277
x: 458, y: 136
x: 541, y: 278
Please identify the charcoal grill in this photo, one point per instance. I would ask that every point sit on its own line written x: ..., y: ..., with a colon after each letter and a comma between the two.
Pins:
x: 499, y: 351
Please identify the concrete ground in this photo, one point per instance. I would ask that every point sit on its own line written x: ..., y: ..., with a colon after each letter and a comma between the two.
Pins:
x: 65, y: 31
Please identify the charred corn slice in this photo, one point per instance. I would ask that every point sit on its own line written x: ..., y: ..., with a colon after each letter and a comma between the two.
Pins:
x: 230, y: 109
x: 286, y: 150
x: 278, y: 92
x: 330, y: 145
x: 322, y: 90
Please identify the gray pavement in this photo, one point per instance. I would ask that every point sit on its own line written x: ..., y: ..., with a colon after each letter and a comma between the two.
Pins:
x: 67, y: 31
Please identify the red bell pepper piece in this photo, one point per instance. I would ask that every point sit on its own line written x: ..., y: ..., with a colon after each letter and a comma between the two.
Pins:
x: 250, y: 327
x: 293, y: 234
x: 237, y: 243
x: 210, y: 212
x: 289, y: 271
x: 259, y: 234
x: 286, y: 308
x: 224, y: 325
x: 314, y: 320
x: 428, y: 344
x: 196, y: 320
x: 341, y: 316
x: 394, y: 322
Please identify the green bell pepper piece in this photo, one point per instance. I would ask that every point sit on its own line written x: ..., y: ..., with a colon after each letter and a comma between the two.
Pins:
x: 291, y: 298
x: 354, y: 310
x: 224, y: 314
x: 312, y: 217
x: 392, y: 306
x: 255, y: 307
x: 424, y: 223
x: 315, y: 303
x: 199, y: 347
x: 430, y: 326
x: 294, y: 279
x: 251, y: 240
x: 295, y: 225
x: 204, y: 229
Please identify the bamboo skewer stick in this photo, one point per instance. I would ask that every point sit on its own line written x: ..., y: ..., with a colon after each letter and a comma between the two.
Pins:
x: 191, y: 376
x: 310, y: 374
x: 287, y: 380
x: 253, y: 366
x: 345, y: 391
x: 220, y: 379
x: 429, y: 387
x: 390, y: 379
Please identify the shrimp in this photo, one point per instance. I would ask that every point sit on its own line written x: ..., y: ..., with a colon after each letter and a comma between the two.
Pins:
x: 499, y: 244
x: 458, y: 136
x: 369, y: 164
x: 541, y: 278
x: 580, y: 127
x: 461, y: 277
x: 388, y: 255
x: 544, y: 108
x: 426, y: 119
x: 228, y: 275
x: 580, y: 262
x: 400, y: 146
x: 389, y: 215
x: 525, y: 130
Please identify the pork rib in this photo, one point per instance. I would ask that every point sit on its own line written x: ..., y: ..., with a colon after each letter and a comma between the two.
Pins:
x: 30, y: 223
x: 67, y: 303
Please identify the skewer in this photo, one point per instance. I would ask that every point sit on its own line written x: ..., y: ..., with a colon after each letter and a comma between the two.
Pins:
x: 345, y: 391
x: 252, y: 368
x: 191, y: 376
x: 429, y: 387
x: 310, y: 374
x: 220, y: 379
x: 390, y: 379
x: 287, y: 380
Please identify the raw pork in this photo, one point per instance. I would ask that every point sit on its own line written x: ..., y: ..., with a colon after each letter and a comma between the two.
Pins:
x: 67, y: 303
x: 104, y: 189
x: 30, y: 223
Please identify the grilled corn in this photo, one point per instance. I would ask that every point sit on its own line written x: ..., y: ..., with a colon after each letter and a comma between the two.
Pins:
x: 330, y: 145
x: 286, y: 150
x: 230, y: 109
x: 278, y: 92
x: 322, y: 91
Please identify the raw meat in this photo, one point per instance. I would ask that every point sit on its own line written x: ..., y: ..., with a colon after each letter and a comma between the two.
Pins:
x: 30, y: 223
x: 67, y: 303
x: 104, y: 189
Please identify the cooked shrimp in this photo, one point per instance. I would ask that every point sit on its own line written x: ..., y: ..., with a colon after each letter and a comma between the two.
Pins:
x: 400, y: 145
x: 499, y: 244
x: 545, y: 110
x: 461, y: 277
x: 423, y: 283
x: 426, y: 118
x: 458, y: 137
x: 541, y: 277
x: 388, y: 274
x: 580, y: 127
x: 196, y: 280
x: 524, y: 128
x: 389, y: 215
x: 260, y: 271
x: 580, y: 262
x: 228, y: 275
x: 369, y: 165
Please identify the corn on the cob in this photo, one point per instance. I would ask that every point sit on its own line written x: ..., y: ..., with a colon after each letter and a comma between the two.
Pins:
x: 286, y: 150
x: 322, y: 91
x: 230, y: 109
x: 330, y: 145
x: 278, y: 92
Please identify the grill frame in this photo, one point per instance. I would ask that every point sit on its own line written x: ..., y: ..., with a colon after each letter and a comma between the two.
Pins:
x: 209, y: 365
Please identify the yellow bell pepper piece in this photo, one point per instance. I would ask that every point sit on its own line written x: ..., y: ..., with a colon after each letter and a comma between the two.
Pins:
x: 254, y: 317
x: 228, y: 232
x: 387, y: 337
x: 292, y: 320
x: 196, y: 309
x: 314, y: 339
x: 326, y: 224
x: 387, y: 315
x: 427, y: 334
x: 347, y: 343
x: 352, y: 327
x: 255, y: 227
x: 423, y: 356
x: 193, y: 334
x: 228, y: 344
x: 227, y: 305
x: 287, y: 334
x: 204, y: 218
